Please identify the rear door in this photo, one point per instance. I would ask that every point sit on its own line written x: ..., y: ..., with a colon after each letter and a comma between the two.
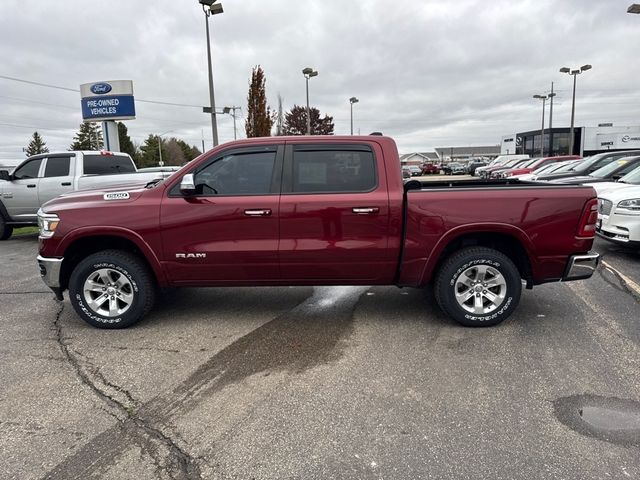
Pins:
x: 57, y: 177
x: 20, y: 197
x: 334, y: 215
x: 228, y: 231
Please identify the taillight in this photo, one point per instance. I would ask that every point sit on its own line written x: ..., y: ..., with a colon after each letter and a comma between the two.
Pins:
x: 588, y: 219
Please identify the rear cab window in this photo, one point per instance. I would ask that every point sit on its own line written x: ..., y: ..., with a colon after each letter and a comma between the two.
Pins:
x: 99, y: 164
x: 331, y: 169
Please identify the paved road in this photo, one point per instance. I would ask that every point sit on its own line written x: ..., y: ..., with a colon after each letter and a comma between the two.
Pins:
x: 324, y: 383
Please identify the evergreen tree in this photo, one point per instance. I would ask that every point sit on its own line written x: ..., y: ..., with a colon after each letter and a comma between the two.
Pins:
x: 126, y: 145
x: 36, y: 145
x: 89, y: 137
x: 259, y: 121
x: 174, y: 153
x: 296, y: 122
x: 149, y: 155
x: 189, y: 152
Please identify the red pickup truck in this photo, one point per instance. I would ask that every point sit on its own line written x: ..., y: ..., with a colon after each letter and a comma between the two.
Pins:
x: 314, y: 211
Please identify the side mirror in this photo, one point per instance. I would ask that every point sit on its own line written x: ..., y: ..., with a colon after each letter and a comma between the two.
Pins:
x: 616, y: 177
x: 187, y: 185
x: 4, y: 175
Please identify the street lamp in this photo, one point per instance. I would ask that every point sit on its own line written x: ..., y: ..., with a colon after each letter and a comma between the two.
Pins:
x: 352, y: 100
x: 161, y: 163
x: 308, y: 73
x: 209, y: 7
x: 229, y: 110
x: 634, y: 8
x: 575, y: 73
x: 544, y: 100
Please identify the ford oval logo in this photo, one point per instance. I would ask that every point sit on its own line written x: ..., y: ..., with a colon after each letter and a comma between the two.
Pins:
x: 101, y: 88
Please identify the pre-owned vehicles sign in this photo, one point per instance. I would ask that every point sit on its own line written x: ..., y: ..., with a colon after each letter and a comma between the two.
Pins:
x: 108, y: 100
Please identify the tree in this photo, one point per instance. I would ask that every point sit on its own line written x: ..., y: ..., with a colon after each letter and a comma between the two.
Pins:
x: 296, y: 122
x: 172, y: 153
x: 89, y: 137
x: 189, y: 152
x: 259, y: 121
x: 36, y: 145
x: 126, y: 145
x: 149, y: 156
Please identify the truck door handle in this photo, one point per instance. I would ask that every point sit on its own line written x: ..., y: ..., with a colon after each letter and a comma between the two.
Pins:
x: 264, y: 212
x: 31, y: 185
x: 66, y: 184
x: 365, y: 210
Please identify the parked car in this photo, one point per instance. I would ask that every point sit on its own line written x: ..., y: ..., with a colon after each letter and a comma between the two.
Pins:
x: 619, y: 216
x: 42, y: 177
x: 631, y: 179
x: 429, y: 168
x: 406, y: 174
x: 166, y: 169
x: 495, y: 172
x: 474, y: 164
x: 552, y: 167
x: 588, y: 165
x: 454, y: 168
x: 415, y: 170
x: 332, y: 211
x: 499, y: 160
x: 536, y: 163
x: 611, y: 172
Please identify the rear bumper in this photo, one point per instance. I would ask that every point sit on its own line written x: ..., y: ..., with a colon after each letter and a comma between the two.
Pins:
x: 50, y: 273
x: 580, y: 267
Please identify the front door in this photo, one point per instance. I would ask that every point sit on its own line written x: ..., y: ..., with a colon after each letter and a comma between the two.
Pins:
x: 20, y: 197
x: 334, y: 215
x: 227, y: 232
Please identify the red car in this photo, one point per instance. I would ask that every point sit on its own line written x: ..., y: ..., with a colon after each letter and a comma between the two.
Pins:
x: 538, y: 163
x: 430, y: 169
x: 313, y: 211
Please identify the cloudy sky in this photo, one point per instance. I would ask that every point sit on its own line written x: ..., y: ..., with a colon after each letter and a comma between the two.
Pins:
x: 429, y: 73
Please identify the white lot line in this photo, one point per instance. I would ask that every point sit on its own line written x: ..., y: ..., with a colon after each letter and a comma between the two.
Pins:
x: 630, y: 283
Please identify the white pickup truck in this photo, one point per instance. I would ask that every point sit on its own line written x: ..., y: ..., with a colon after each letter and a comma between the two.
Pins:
x: 43, y: 177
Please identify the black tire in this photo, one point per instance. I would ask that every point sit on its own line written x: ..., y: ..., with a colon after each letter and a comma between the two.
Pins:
x: 5, y: 230
x: 124, y: 267
x: 466, y: 260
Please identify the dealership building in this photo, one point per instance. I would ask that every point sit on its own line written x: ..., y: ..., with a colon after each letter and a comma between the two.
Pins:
x: 588, y: 141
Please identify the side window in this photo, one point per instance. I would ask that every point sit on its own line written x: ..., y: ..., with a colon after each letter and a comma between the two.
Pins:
x: 96, y: 164
x: 237, y: 174
x: 57, y: 167
x: 28, y: 170
x: 329, y: 171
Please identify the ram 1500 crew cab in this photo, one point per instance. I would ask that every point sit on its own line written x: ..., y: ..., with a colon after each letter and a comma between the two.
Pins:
x: 314, y: 211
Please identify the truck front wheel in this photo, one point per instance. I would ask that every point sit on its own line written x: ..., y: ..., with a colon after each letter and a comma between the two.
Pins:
x: 112, y: 289
x: 5, y: 230
x: 478, y: 287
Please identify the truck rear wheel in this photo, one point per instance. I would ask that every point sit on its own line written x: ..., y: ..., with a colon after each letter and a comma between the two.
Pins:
x: 5, y: 230
x: 478, y: 287
x: 112, y: 289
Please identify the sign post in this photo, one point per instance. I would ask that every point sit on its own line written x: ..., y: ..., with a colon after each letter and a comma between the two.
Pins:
x: 107, y: 102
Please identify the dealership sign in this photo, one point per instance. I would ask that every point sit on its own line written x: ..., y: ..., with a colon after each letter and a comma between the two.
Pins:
x: 110, y: 100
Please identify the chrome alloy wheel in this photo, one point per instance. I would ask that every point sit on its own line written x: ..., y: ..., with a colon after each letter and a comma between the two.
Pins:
x: 480, y: 289
x: 108, y: 293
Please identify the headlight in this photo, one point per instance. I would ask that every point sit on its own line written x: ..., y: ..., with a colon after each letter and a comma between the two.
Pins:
x: 633, y: 204
x: 47, y: 223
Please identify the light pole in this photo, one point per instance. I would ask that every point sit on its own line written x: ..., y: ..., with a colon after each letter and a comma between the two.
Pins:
x: 161, y: 163
x: 544, y: 100
x: 209, y: 7
x: 229, y: 111
x: 634, y: 8
x: 308, y: 73
x: 575, y: 73
x: 352, y: 100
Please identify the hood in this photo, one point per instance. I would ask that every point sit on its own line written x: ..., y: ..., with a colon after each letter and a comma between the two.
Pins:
x: 120, y: 195
x: 619, y: 194
x: 602, y: 187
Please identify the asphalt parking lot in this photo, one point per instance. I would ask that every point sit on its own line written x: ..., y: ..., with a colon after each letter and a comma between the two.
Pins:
x: 322, y: 383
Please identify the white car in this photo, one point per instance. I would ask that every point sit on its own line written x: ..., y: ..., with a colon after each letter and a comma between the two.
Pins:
x: 619, y: 216
x: 631, y: 179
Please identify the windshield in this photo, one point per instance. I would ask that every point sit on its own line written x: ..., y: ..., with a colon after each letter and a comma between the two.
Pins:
x: 610, y: 168
x: 528, y: 163
x: 633, y: 177
x: 566, y: 166
x: 587, y: 162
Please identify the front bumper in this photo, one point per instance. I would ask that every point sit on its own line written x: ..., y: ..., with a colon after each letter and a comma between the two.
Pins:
x: 50, y: 272
x: 580, y: 267
x: 619, y: 228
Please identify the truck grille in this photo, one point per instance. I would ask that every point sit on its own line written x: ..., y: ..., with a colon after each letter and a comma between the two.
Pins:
x: 604, y: 206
